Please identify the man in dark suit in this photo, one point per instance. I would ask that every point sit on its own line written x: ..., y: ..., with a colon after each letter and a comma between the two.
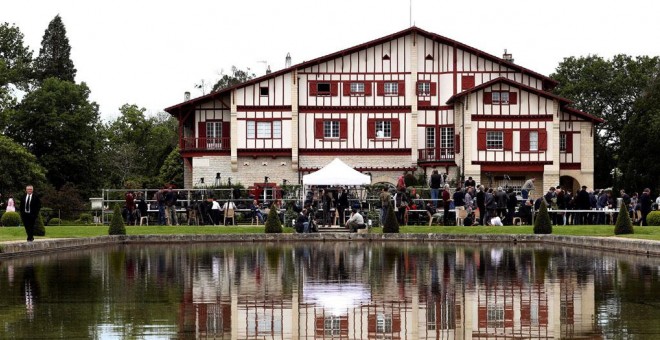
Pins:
x: 342, y: 204
x: 30, y: 206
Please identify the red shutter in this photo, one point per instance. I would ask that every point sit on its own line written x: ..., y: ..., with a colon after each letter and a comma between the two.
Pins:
x: 467, y: 82
x: 513, y: 97
x: 334, y: 89
x: 482, y: 316
x: 543, y: 140
x: 371, y: 128
x: 367, y: 88
x: 226, y: 128
x: 508, y: 139
x: 524, y: 140
x: 343, y: 128
x: 433, y: 89
x: 312, y: 88
x: 481, y: 140
x: 488, y: 97
x: 318, y: 128
x: 396, y: 128
x: 457, y: 144
x: 569, y: 142
x: 402, y: 88
x: 347, y: 88
x: 201, y: 134
x: 380, y: 88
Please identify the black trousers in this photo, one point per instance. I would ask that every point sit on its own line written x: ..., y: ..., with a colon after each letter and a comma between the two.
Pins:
x: 28, y: 223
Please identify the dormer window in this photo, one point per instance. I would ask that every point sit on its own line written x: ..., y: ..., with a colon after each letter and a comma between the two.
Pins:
x: 500, y: 97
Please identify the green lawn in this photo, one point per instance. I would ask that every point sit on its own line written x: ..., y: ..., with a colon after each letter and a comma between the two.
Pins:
x: 13, y: 233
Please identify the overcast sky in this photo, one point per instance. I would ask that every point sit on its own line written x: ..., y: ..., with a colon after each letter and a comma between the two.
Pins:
x: 149, y: 53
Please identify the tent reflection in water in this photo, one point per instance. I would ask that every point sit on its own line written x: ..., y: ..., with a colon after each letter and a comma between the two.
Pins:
x: 336, y: 298
x: 336, y: 173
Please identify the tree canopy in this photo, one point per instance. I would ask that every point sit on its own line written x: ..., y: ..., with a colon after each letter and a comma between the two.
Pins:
x: 608, y: 89
x: 19, y: 167
x: 54, y: 58
x: 15, y: 58
x: 236, y: 77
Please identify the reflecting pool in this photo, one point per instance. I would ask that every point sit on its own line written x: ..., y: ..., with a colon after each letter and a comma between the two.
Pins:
x: 344, y: 290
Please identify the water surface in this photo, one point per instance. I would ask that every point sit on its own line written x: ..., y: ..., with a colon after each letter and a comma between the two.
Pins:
x: 345, y: 290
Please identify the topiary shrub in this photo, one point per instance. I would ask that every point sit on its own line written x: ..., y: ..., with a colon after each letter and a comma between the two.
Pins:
x: 623, y: 223
x: 653, y: 218
x: 54, y: 221
x: 390, y: 225
x: 11, y: 219
x: 542, y: 223
x: 117, y: 223
x: 273, y: 224
x: 39, y: 229
x: 86, y: 218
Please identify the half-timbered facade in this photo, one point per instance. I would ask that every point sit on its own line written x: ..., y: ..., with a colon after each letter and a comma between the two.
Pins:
x: 411, y: 101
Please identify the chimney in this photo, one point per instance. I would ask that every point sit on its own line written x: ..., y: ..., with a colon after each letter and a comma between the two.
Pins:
x: 507, y: 56
x: 287, y: 60
x: 268, y: 70
x: 186, y: 96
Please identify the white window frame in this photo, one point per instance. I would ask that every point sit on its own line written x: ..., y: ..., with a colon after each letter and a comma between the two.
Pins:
x: 494, y: 140
x: 424, y: 88
x: 391, y: 88
x: 562, y: 142
x: 533, y: 141
x: 447, y: 138
x: 383, y: 129
x: 357, y: 87
x: 264, y: 129
x: 331, y: 129
x: 500, y: 97
x: 430, y: 138
x: 213, y: 134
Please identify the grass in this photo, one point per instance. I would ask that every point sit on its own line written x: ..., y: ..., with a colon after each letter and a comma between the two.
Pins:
x: 18, y: 234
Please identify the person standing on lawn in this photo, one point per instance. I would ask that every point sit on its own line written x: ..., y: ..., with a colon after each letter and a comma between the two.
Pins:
x: 30, y: 207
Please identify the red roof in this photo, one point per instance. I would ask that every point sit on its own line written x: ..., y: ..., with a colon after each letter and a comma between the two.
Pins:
x: 563, y: 101
x: 548, y: 81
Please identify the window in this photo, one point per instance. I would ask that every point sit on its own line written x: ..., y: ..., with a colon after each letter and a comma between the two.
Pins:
x: 562, y: 142
x: 323, y: 88
x: 424, y: 88
x: 357, y: 87
x: 500, y: 97
x: 213, y: 135
x: 332, y: 325
x: 263, y: 91
x: 383, y: 129
x: 533, y: 141
x: 494, y: 140
x: 266, y: 130
x: 331, y: 129
x: 383, y: 323
x: 495, y: 315
x: 430, y: 137
x: 447, y: 138
x: 391, y: 89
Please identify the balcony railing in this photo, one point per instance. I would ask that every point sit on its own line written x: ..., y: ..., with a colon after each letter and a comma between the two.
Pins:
x: 435, y: 155
x: 194, y: 143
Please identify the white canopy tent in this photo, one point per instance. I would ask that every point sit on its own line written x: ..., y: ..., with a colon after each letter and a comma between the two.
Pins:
x: 336, y: 173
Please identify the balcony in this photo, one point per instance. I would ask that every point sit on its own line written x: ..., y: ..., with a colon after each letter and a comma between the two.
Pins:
x: 205, y: 144
x: 435, y: 155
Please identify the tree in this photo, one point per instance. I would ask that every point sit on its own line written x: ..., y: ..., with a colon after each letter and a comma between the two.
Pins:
x: 172, y: 169
x: 137, y: 147
x: 607, y: 89
x: 273, y: 224
x: 236, y: 77
x: 638, y: 158
x: 19, y: 167
x: 390, y: 225
x: 54, y: 58
x: 57, y: 123
x: 117, y: 226
x: 15, y: 58
x: 542, y: 223
x: 623, y: 222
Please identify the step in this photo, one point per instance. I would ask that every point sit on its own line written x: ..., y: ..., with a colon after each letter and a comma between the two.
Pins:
x: 333, y: 229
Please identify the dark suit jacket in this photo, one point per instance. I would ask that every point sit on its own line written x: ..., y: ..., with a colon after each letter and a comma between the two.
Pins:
x: 342, y: 200
x: 35, y: 206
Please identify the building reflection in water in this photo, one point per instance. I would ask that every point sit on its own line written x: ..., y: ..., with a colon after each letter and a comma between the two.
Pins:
x: 388, y: 291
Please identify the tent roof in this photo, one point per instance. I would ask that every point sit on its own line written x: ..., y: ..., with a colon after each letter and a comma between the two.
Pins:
x: 336, y: 173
